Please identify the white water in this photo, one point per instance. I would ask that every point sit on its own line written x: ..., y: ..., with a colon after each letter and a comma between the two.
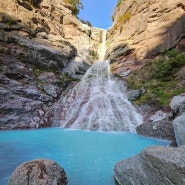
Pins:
x: 99, y: 102
x: 102, y: 48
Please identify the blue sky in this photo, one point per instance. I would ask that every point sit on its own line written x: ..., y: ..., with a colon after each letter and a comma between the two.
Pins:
x: 98, y: 12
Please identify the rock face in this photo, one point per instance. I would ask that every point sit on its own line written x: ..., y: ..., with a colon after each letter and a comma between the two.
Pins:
x: 154, y: 165
x: 51, y: 23
x: 40, y: 171
x: 179, y: 129
x: 142, y: 29
x: 41, y: 53
x: 31, y: 80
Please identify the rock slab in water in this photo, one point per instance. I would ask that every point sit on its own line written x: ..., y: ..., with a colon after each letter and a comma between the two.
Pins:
x: 37, y: 172
x: 162, y: 129
x: 153, y: 166
x: 179, y: 129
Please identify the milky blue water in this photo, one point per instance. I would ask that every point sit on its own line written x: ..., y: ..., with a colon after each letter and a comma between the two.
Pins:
x: 87, y: 157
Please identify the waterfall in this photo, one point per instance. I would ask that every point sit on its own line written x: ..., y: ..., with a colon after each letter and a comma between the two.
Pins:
x: 99, y: 102
x: 102, y: 48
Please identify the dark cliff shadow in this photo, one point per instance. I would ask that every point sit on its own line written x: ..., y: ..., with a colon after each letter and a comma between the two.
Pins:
x: 172, y: 36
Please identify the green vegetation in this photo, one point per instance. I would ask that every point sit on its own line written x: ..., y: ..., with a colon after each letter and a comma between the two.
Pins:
x: 158, y: 78
x: 94, y: 54
x: 86, y: 22
x: 76, y: 6
x: 124, y: 18
x: 119, y: 2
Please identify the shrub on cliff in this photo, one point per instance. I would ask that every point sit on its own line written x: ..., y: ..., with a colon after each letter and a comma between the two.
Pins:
x: 158, y: 78
x: 76, y: 6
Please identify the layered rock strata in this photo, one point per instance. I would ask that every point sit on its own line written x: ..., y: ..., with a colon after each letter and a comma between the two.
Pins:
x: 38, y: 171
x: 143, y: 29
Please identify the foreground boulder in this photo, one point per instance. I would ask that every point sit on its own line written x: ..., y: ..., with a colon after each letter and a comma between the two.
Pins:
x: 154, y: 165
x: 39, y: 171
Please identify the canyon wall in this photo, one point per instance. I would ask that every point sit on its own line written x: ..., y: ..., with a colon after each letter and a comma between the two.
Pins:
x: 44, y: 48
x: 49, y: 22
x: 143, y: 29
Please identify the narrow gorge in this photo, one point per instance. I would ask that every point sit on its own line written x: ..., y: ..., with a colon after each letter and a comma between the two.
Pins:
x: 59, y: 76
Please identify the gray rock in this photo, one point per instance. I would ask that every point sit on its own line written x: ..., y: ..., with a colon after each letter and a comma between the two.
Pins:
x: 153, y: 166
x: 179, y: 129
x: 37, y: 172
x: 159, y: 115
x: 135, y: 94
x: 177, y: 104
x: 161, y: 129
x: 77, y: 67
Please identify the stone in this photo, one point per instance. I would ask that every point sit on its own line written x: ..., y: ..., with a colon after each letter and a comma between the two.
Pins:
x: 162, y: 129
x: 179, y: 129
x: 153, y: 165
x: 159, y: 115
x: 37, y: 172
x: 77, y: 67
x: 177, y: 104
x: 134, y: 94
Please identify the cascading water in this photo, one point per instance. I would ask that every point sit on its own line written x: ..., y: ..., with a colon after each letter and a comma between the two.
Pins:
x: 102, y: 48
x: 99, y: 102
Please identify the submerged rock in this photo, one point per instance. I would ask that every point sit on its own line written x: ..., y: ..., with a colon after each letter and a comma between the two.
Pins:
x: 154, y: 165
x: 37, y: 172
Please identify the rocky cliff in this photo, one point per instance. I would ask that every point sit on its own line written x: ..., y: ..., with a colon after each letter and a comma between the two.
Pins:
x: 50, y: 22
x: 143, y: 29
x: 43, y: 49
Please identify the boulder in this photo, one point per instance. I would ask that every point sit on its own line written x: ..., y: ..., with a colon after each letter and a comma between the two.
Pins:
x: 179, y: 129
x: 177, y: 104
x: 162, y: 129
x: 37, y: 172
x: 154, y: 165
x: 135, y: 94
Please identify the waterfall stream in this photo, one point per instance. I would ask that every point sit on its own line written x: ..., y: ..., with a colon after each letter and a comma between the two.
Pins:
x: 102, y: 48
x: 99, y: 102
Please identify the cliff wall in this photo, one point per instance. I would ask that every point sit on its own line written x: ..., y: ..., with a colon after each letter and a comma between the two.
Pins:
x: 43, y: 50
x: 143, y: 29
x: 49, y: 22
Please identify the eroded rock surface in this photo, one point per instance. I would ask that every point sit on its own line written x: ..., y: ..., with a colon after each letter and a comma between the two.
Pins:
x: 51, y: 23
x: 39, y: 171
x: 143, y: 29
